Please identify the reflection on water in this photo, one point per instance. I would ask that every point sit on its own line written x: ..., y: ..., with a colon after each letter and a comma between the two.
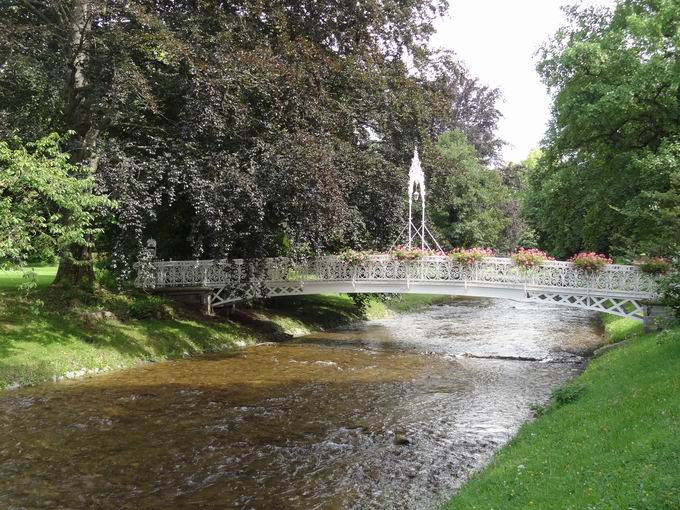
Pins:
x: 383, y: 415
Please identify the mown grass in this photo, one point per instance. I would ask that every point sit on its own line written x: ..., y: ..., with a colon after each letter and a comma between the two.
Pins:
x: 44, y: 275
x: 620, y: 328
x: 613, y: 443
x: 61, y: 337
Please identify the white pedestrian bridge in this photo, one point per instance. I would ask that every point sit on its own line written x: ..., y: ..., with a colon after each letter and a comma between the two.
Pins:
x: 616, y: 289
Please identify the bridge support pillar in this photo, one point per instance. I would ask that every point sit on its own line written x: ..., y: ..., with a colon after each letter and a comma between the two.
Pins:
x: 208, y: 302
x: 655, y: 316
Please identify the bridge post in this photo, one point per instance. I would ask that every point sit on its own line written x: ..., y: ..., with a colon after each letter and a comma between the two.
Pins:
x: 654, y: 316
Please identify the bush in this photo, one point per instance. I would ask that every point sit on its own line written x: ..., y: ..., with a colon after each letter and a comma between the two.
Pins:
x: 105, y: 278
x: 558, y: 398
x: 470, y: 256
x: 361, y: 300
x: 653, y: 265
x: 590, y: 262
x: 529, y: 258
x: 567, y: 394
x: 670, y: 289
x: 538, y: 409
x: 149, y: 307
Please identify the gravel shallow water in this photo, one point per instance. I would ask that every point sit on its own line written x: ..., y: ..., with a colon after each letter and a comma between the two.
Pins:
x: 393, y: 413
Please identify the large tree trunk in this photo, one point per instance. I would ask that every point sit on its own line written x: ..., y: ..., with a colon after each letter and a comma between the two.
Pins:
x: 76, y: 269
x: 76, y: 265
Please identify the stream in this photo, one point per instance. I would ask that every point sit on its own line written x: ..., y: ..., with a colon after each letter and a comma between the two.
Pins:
x: 392, y: 414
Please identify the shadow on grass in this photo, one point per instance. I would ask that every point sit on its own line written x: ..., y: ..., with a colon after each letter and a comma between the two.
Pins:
x: 143, y: 338
x: 35, y: 347
x: 23, y: 334
x: 315, y: 312
x: 58, y: 339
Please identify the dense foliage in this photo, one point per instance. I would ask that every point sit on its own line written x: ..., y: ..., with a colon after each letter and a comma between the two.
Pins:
x: 241, y: 128
x: 468, y: 198
x: 248, y: 129
x: 670, y: 288
x: 46, y: 204
x: 609, y: 179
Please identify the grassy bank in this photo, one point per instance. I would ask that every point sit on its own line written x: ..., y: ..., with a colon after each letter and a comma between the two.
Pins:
x: 608, y: 440
x: 620, y: 328
x: 303, y: 315
x: 66, y: 340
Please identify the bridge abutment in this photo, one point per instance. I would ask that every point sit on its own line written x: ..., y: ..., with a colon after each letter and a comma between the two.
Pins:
x: 656, y: 316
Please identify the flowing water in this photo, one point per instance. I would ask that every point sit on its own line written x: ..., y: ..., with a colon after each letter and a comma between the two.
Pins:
x: 387, y: 414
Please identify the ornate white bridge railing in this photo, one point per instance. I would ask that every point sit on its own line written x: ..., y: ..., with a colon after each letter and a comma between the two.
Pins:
x: 618, y: 289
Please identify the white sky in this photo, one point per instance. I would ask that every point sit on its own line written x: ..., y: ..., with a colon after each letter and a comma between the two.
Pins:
x: 497, y: 40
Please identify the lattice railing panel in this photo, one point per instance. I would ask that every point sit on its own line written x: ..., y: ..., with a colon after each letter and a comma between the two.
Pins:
x: 624, y: 307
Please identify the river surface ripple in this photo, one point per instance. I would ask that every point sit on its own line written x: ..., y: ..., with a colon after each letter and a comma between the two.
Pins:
x: 393, y: 413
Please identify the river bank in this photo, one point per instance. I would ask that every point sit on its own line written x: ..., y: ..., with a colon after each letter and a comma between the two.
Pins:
x: 608, y: 439
x: 63, y: 340
x: 391, y: 413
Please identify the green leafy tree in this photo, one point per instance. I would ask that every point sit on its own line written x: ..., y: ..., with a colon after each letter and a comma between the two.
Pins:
x: 47, y: 204
x: 244, y: 128
x: 608, y: 177
x: 469, y: 198
x: 517, y: 231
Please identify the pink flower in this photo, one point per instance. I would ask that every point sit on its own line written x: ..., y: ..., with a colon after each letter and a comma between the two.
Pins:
x: 529, y: 257
x: 590, y: 262
x: 470, y: 256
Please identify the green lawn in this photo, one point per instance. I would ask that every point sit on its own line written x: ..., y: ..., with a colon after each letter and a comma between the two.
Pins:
x: 12, y: 279
x: 616, y: 446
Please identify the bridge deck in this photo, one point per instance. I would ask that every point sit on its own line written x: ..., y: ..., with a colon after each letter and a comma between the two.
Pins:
x: 618, y: 289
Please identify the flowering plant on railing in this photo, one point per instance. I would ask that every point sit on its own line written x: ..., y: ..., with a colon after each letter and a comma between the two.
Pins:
x: 470, y: 256
x: 590, y: 262
x: 529, y: 258
x: 653, y: 265
x: 408, y: 254
x: 353, y: 257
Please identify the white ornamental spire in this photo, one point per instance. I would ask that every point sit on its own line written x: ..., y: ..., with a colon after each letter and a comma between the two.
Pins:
x: 416, y: 181
x: 418, y: 235
x: 416, y: 178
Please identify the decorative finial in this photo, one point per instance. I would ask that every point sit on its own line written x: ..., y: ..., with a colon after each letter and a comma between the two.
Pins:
x: 151, y: 247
